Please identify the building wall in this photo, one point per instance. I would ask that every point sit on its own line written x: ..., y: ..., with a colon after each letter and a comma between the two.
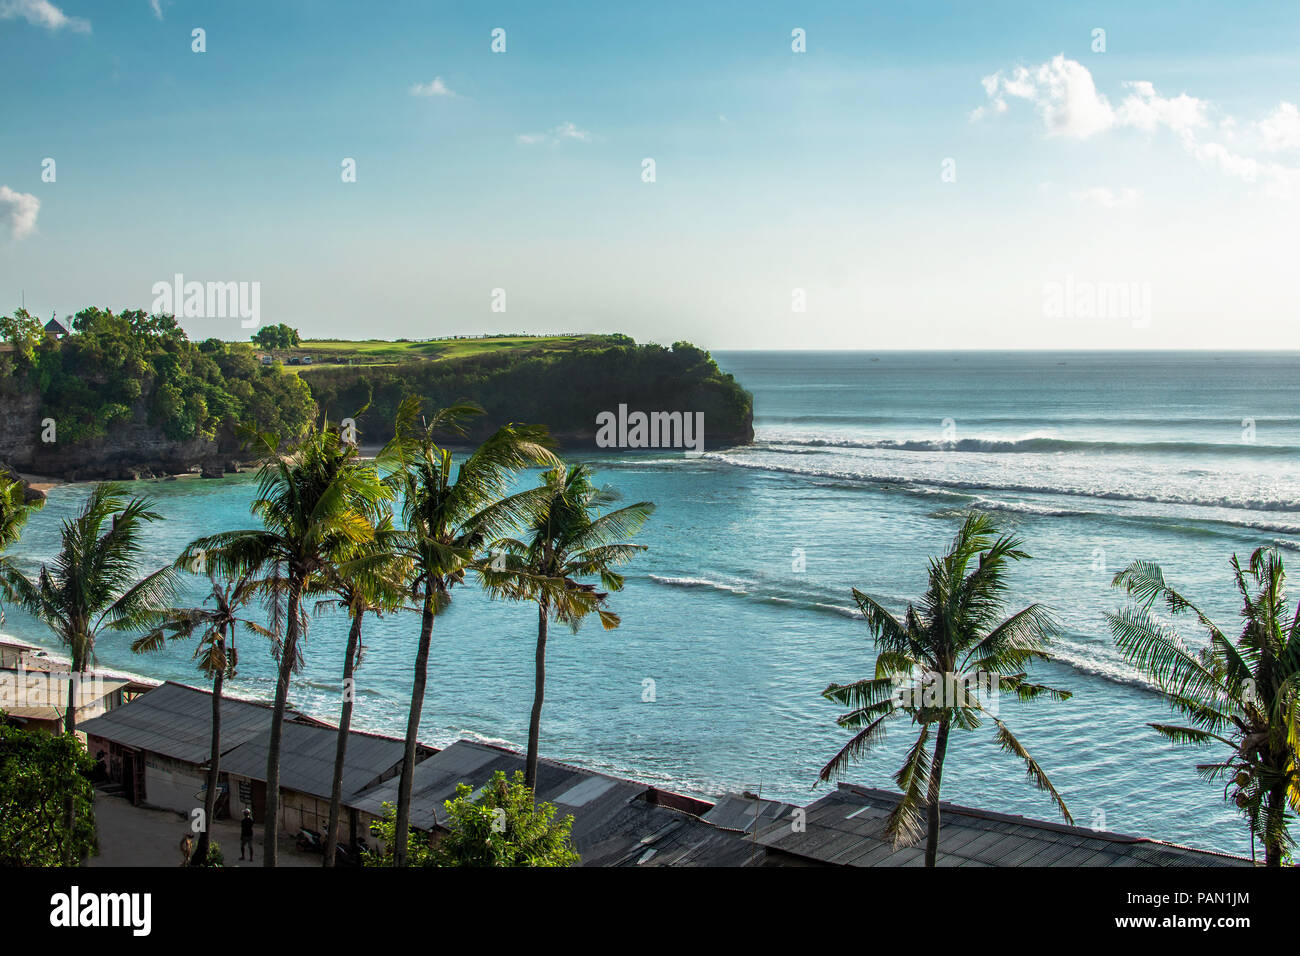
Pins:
x: 299, y: 810
x: 173, y: 785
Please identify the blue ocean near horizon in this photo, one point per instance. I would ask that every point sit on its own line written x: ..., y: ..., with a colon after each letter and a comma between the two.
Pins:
x: 740, y: 613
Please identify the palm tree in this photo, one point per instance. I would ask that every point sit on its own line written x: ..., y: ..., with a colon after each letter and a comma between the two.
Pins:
x: 370, y: 581
x: 956, y: 655
x: 217, y: 657
x: 1241, y: 694
x: 15, y: 509
x: 94, y: 584
x: 449, y: 513
x: 567, y: 540
x: 314, y: 500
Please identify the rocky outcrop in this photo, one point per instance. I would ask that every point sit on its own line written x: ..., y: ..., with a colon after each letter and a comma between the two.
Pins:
x: 130, y: 451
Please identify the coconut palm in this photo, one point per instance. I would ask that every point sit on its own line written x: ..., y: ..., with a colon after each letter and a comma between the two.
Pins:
x: 370, y: 580
x: 216, y: 623
x: 315, y: 499
x: 945, y: 666
x: 15, y: 509
x: 450, y: 511
x: 1240, y: 694
x: 94, y: 585
x: 567, y: 540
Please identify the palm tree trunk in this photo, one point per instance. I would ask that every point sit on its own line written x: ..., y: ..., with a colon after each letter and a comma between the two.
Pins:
x: 70, y: 727
x: 287, y: 655
x: 1273, y: 828
x: 200, y: 857
x: 539, y: 692
x: 341, y: 748
x: 403, y: 822
x: 932, y: 797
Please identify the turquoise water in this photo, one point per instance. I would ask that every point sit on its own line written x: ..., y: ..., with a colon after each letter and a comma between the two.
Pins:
x: 863, y: 466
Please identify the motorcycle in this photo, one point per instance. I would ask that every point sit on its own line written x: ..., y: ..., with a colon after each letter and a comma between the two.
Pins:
x: 309, y: 841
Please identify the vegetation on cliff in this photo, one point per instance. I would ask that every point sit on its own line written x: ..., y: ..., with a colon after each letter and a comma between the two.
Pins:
x: 131, y: 367
x: 114, y: 364
x: 561, y: 389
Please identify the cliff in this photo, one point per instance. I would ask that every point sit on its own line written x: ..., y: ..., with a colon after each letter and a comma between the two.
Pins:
x: 569, y: 392
x: 129, y: 396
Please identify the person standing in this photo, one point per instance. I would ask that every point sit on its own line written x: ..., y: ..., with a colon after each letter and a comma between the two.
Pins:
x: 246, y: 834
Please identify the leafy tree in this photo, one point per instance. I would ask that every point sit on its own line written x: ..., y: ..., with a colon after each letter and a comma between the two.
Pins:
x: 94, y: 585
x: 315, y: 501
x: 119, y: 364
x: 1241, y: 694
x: 369, y: 579
x: 278, y: 336
x: 40, y: 775
x: 15, y: 509
x: 449, y: 513
x: 502, y: 827
x: 950, y: 655
x: 217, y: 658
x: 567, y: 540
x: 24, y: 332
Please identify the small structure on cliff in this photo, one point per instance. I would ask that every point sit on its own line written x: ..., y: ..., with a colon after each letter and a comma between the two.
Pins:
x: 56, y: 330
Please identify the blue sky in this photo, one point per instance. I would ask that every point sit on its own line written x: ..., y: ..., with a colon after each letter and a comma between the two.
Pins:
x: 1168, y: 165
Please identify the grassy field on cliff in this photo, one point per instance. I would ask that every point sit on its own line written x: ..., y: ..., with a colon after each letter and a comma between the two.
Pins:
x: 335, y: 353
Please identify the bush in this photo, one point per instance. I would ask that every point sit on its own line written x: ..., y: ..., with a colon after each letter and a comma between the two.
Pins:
x: 503, y: 827
x: 38, y: 772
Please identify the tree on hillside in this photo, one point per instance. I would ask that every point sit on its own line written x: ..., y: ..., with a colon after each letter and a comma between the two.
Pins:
x: 278, y: 336
x: 23, y: 332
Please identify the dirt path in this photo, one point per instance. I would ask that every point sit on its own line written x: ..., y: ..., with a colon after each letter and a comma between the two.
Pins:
x: 140, y: 836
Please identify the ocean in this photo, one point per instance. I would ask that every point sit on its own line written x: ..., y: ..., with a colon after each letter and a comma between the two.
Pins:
x: 740, y: 612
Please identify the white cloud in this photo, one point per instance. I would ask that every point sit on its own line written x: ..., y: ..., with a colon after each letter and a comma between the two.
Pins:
x: 1061, y: 90
x: 1105, y: 197
x: 156, y: 7
x: 556, y: 134
x: 1145, y: 109
x: 42, y: 13
x: 18, y: 211
x: 435, y: 87
x: 1280, y: 130
x: 1067, y: 100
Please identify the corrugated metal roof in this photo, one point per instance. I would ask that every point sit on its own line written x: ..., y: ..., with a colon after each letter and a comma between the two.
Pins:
x: 739, y: 811
x: 588, y: 796
x: 643, y: 834
x: 846, y: 827
x: 50, y: 702
x: 612, y: 819
x: 175, y: 721
x: 307, y: 759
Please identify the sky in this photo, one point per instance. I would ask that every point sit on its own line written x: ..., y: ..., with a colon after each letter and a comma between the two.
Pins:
x: 837, y: 176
